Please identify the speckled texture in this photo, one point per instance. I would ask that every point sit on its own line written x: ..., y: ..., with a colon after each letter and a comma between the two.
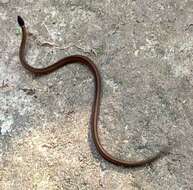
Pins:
x: 144, y: 52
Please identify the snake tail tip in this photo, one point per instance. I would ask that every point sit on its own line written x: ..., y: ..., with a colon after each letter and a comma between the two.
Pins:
x: 20, y: 21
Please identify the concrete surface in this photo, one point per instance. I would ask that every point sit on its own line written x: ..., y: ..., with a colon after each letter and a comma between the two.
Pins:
x: 144, y: 50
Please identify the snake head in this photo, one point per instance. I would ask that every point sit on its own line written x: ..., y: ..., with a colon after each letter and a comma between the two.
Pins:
x: 20, y: 21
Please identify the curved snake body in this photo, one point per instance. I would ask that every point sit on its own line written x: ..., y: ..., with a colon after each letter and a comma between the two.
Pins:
x: 96, y: 104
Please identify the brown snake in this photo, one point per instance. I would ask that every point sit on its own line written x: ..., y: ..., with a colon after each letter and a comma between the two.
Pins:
x: 96, y: 104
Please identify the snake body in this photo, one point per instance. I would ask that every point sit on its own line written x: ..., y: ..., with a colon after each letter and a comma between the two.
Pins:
x: 96, y: 103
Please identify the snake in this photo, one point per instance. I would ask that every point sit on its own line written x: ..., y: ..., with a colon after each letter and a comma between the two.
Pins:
x: 83, y: 60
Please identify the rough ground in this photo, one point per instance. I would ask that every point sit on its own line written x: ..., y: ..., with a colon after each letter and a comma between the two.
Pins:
x: 144, y: 50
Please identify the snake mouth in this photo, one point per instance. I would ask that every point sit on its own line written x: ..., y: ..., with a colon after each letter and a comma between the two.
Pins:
x: 20, y: 21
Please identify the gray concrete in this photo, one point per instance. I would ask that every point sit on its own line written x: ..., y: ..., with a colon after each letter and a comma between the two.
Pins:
x: 144, y: 50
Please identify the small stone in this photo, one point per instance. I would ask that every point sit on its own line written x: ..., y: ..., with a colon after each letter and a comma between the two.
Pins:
x: 17, y: 31
x: 103, y: 166
x: 136, y: 53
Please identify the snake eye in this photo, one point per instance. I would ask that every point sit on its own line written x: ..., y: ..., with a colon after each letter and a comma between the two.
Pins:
x: 20, y: 21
